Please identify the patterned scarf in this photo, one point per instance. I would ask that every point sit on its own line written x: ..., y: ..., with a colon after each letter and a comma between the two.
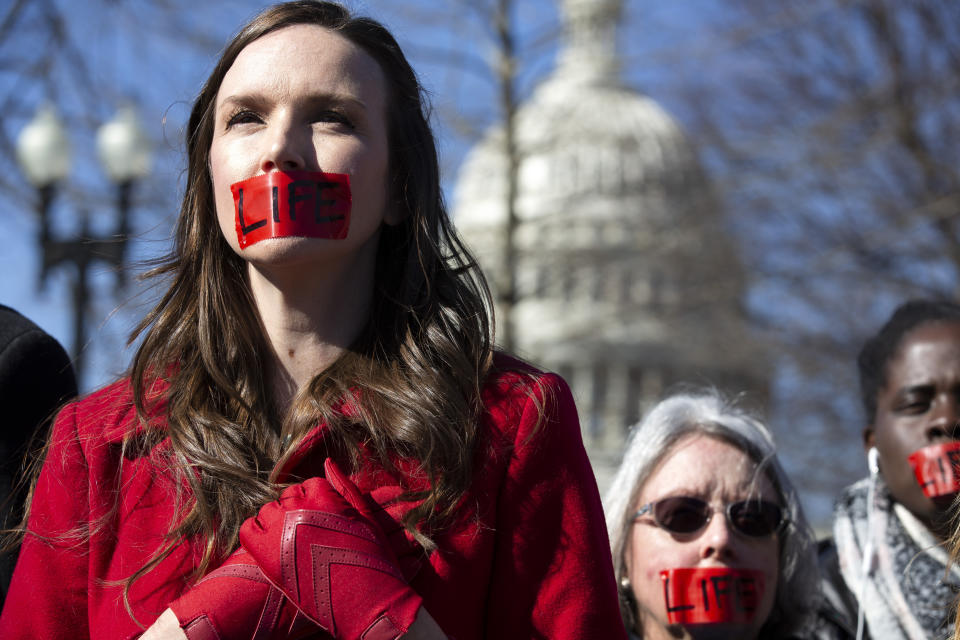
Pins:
x: 905, y: 595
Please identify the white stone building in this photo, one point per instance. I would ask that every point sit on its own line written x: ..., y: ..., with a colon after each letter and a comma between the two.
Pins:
x: 626, y: 282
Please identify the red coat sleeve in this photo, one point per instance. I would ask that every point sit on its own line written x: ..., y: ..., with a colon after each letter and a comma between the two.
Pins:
x: 48, y: 592
x: 552, y: 574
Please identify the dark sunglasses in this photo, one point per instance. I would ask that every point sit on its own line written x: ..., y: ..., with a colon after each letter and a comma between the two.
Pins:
x: 686, y: 515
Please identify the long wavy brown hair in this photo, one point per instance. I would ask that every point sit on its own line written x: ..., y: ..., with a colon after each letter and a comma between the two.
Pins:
x: 414, y: 374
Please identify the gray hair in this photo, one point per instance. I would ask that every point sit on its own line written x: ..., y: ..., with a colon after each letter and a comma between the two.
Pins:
x: 708, y: 413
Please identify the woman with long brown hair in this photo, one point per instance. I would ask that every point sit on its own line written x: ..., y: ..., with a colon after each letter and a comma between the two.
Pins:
x: 317, y: 437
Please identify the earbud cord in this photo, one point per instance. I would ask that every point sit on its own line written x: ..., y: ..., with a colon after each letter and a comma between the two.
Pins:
x: 868, y: 546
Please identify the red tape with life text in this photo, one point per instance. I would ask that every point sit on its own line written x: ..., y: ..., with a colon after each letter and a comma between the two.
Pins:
x: 711, y: 595
x: 308, y: 204
x: 937, y: 469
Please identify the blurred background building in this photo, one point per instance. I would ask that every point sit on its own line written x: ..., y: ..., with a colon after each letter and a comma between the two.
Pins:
x: 604, y: 245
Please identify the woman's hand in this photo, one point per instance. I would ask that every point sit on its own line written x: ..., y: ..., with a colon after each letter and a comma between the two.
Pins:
x: 235, y: 601
x: 166, y: 627
x: 320, y: 544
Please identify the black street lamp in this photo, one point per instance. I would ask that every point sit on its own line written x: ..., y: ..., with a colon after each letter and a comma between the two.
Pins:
x: 43, y: 152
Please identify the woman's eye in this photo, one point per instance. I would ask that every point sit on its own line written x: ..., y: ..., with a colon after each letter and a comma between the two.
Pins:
x: 243, y: 117
x: 334, y: 117
x: 914, y: 406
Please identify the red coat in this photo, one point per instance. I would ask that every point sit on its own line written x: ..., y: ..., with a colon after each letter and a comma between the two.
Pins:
x: 531, y: 561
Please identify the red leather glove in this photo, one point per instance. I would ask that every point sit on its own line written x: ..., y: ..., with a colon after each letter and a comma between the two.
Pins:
x: 321, y: 546
x: 237, y: 602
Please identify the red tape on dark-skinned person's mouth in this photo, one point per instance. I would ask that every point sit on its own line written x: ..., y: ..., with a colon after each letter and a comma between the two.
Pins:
x: 937, y: 469
x: 309, y: 204
x: 714, y: 595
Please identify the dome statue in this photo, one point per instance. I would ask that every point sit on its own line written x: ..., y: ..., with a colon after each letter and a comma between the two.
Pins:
x: 625, y: 280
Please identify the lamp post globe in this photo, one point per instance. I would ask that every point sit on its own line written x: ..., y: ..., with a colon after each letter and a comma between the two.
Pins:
x: 43, y: 149
x: 123, y: 147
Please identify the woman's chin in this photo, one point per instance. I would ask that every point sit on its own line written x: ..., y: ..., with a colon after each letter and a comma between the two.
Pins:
x: 290, y: 251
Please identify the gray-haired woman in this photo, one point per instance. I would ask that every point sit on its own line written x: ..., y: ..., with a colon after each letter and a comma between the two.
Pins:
x: 707, y: 532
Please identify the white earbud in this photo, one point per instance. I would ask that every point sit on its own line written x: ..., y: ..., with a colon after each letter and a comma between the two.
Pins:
x: 872, y: 461
x: 866, y: 567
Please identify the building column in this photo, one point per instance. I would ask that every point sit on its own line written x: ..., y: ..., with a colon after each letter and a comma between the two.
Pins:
x: 615, y: 409
x: 582, y: 384
x: 651, y: 386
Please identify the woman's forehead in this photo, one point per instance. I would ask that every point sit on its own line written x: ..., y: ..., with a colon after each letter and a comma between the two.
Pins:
x: 304, y: 58
x: 704, y: 466
x: 926, y: 352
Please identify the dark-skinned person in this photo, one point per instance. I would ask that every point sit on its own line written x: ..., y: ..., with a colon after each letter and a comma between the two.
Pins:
x: 317, y: 437
x: 707, y: 534
x: 886, y: 571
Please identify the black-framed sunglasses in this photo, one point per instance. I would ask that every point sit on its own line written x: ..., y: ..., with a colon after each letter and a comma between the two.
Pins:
x: 686, y: 515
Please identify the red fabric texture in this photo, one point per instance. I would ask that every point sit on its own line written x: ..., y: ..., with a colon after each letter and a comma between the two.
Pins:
x: 527, y: 558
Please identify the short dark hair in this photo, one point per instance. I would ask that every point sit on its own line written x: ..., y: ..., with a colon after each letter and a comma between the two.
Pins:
x: 882, y: 347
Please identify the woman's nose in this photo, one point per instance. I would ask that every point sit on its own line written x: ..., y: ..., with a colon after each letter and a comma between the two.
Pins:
x: 945, y: 420
x: 717, y: 540
x: 286, y: 149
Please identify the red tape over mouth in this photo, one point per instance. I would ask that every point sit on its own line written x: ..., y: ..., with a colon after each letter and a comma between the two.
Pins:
x: 937, y: 469
x: 712, y: 595
x: 308, y: 204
